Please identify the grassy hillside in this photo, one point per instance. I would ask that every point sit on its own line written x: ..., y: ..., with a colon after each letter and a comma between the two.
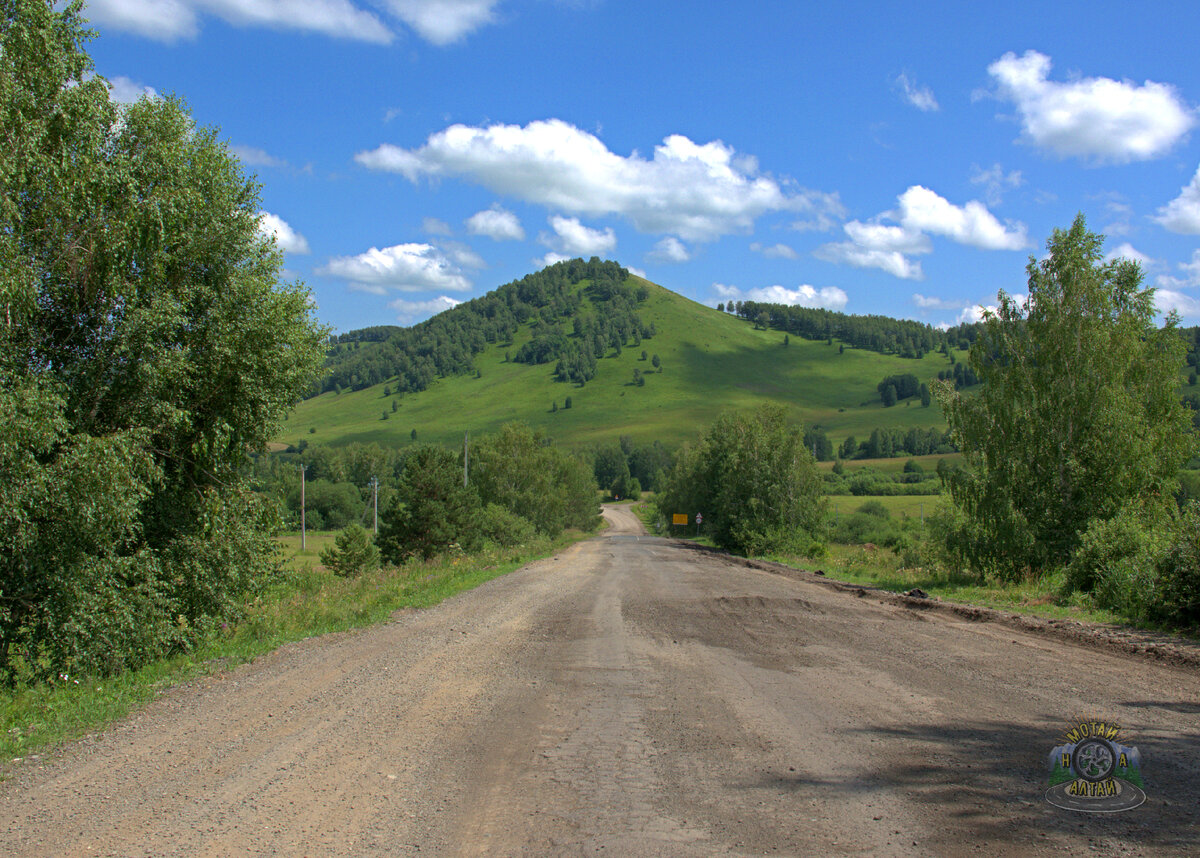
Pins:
x: 710, y: 361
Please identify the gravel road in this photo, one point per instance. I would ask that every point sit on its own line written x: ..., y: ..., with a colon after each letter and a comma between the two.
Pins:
x: 630, y: 696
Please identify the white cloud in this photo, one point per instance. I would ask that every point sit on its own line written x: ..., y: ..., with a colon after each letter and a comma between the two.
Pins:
x: 287, y: 238
x: 823, y: 210
x: 414, y: 311
x: 1095, y: 118
x: 995, y: 181
x: 549, y: 259
x: 696, y: 192
x: 1192, y: 269
x: 878, y: 236
x: 875, y: 244
x: 435, y: 226
x: 670, y: 249
x: 920, y: 97
x: 775, y: 251
x: 123, y: 90
x: 407, y: 267
x: 975, y: 313
x: 461, y: 254
x: 496, y: 223
x: 828, y: 298
x: 922, y: 209
x: 926, y: 302
x: 1167, y: 300
x: 171, y: 20
x: 578, y: 240
x: 1128, y: 251
x: 1182, y: 214
x: 891, y: 261
x: 254, y: 157
x: 878, y: 245
x: 639, y: 272
x: 444, y: 21
x: 1190, y: 278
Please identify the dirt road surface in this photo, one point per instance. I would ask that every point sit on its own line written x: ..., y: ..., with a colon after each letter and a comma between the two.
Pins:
x: 631, y: 696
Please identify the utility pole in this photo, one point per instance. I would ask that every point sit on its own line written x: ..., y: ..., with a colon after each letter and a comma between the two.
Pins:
x: 375, y: 487
x: 302, y: 468
x: 466, y: 454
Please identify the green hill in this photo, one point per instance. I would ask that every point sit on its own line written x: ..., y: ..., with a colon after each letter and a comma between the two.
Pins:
x: 711, y: 361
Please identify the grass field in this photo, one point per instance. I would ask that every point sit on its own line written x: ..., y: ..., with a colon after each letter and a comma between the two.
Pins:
x: 900, y: 506
x: 711, y: 361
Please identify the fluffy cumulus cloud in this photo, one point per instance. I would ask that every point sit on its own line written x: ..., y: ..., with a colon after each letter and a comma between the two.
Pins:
x: 443, y: 22
x: 920, y: 97
x: 827, y: 298
x: 921, y: 212
x: 891, y: 261
x: 1168, y: 300
x: 407, y: 267
x: 1126, y: 250
x: 414, y: 311
x: 670, y: 249
x: 774, y: 251
x: 922, y: 209
x: 1182, y: 214
x: 697, y: 192
x: 287, y: 238
x: 575, y: 239
x: 1095, y: 118
x: 171, y: 20
x: 496, y: 223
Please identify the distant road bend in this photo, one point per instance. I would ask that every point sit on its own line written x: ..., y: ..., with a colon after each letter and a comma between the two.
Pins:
x: 630, y: 696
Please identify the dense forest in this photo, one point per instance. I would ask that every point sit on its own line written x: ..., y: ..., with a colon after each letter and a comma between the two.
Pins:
x: 882, y: 334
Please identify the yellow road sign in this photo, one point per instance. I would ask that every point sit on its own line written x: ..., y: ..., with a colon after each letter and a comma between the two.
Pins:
x: 679, y: 518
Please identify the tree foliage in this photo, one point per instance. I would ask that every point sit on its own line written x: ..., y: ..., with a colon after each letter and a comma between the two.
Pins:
x: 753, y: 480
x: 145, y: 347
x: 545, y: 300
x: 1078, y: 415
x: 353, y: 553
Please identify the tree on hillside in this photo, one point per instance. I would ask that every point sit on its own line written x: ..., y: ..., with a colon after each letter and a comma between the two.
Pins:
x: 1078, y: 414
x: 146, y: 345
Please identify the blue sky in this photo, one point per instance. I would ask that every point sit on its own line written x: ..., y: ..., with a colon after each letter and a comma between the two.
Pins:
x: 893, y: 158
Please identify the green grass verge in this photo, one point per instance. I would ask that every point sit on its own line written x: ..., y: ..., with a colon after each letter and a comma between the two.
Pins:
x: 882, y: 569
x: 308, y: 601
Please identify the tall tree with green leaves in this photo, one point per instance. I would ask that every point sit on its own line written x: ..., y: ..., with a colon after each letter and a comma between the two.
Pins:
x: 431, y: 510
x: 1078, y: 414
x: 146, y: 345
x: 753, y: 480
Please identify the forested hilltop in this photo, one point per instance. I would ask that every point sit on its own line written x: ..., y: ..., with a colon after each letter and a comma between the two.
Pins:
x: 577, y: 326
x: 604, y: 313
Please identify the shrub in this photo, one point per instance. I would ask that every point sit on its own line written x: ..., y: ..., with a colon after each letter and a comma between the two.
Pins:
x: 352, y: 554
x: 496, y: 525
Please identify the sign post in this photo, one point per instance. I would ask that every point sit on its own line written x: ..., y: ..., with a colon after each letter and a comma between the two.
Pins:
x: 699, y: 518
x: 679, y: 518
